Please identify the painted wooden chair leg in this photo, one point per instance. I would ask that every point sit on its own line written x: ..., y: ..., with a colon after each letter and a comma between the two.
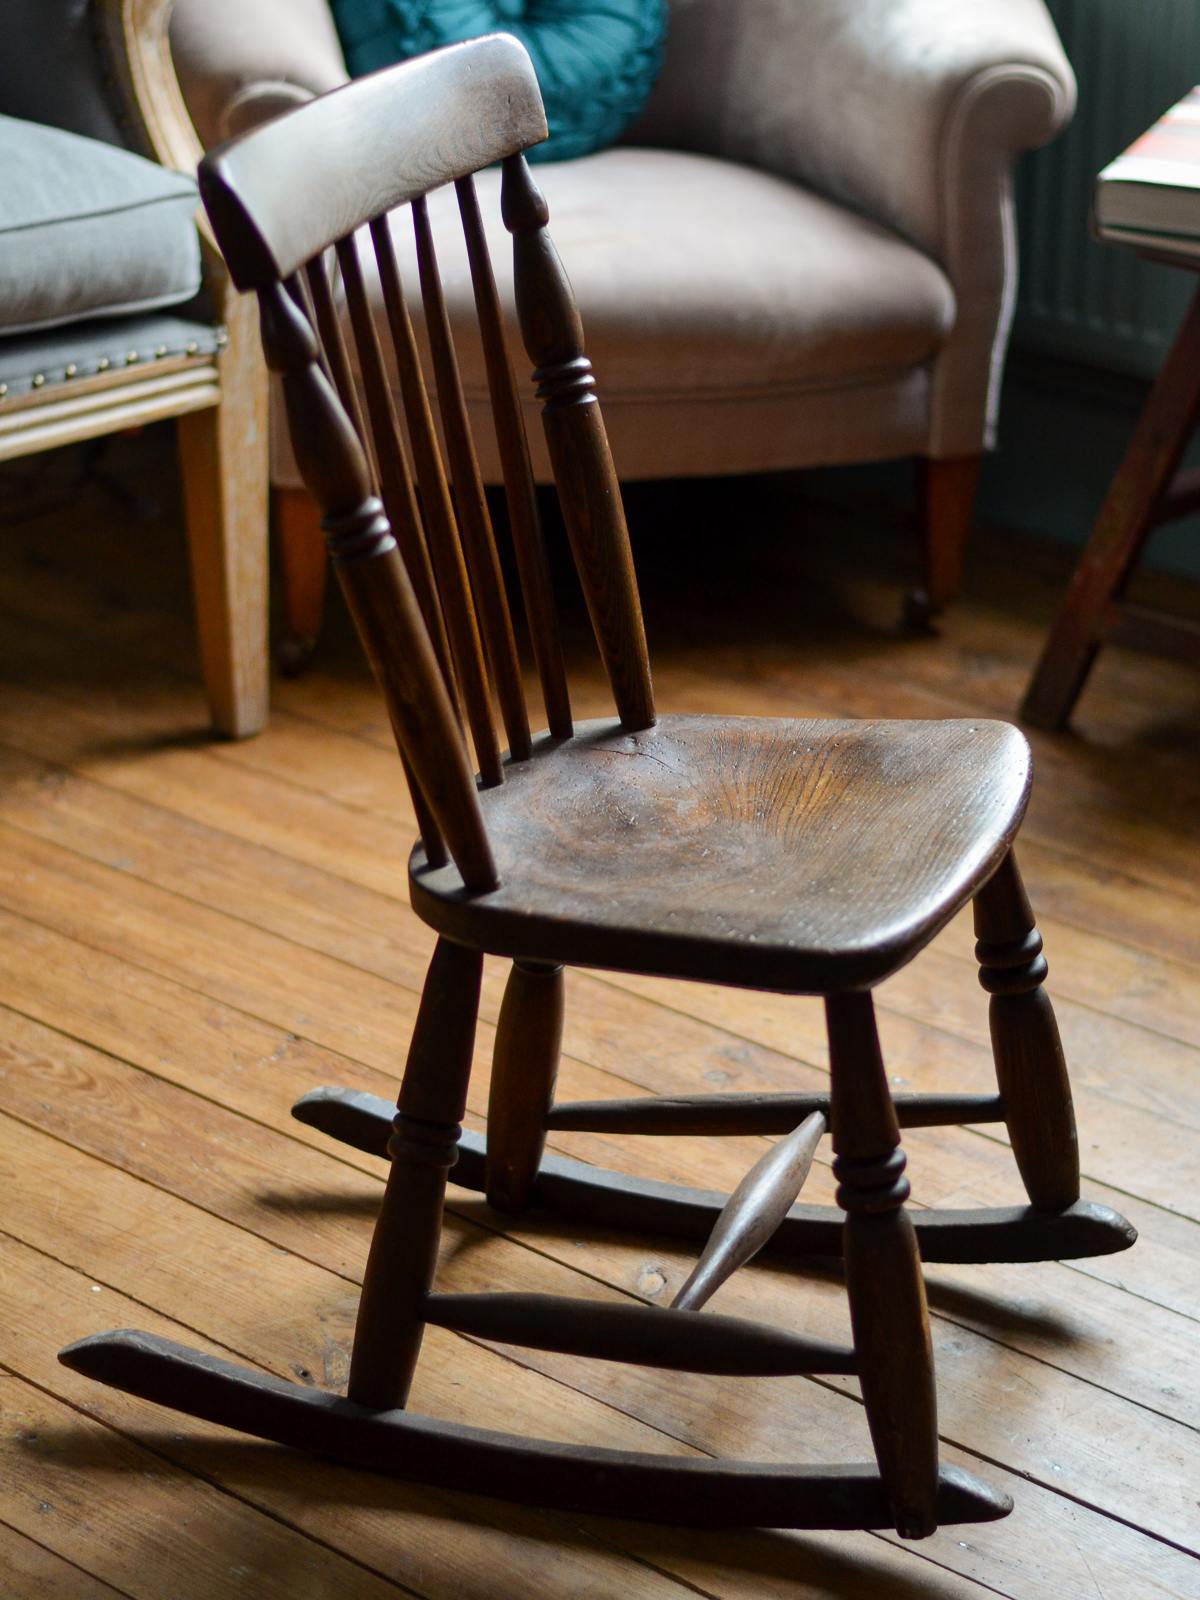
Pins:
x: 223, y: 468
x: 945, y: 503
x: 524, y: 1067
x: 1030, y: 1066
x: 422, y: 1149
x: 300, y: 547
x: 883, y: 1268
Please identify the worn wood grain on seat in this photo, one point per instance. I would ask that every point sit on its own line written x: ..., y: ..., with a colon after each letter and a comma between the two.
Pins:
x: 798, y: 855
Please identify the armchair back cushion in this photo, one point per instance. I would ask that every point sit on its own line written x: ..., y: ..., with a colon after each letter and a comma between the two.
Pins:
x: 51, y: 69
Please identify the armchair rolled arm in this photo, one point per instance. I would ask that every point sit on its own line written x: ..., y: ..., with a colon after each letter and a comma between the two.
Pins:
x: 241, y: 61
x: 876, y: 103
x: 911, y: 111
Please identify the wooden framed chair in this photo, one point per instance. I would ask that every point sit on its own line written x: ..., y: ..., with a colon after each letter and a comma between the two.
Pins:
x: 104, y: 71
x: 799, y: 856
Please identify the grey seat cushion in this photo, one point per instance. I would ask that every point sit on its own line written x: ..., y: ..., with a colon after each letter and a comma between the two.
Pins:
x: 88, y: 230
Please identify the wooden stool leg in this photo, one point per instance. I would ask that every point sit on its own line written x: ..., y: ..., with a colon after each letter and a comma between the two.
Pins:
x: 300, y: 545
x: 883, y: 1268
x: 524, y: 1067
x: 945, y: 502
x: 1030, y: 1067
x: 422, y: 1149
x: 1122, y: 527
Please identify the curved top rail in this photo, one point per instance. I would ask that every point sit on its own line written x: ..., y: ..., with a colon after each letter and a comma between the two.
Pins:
x: 363, y: 149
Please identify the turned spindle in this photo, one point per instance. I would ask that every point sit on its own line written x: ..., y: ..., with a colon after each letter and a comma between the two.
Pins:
x: 377, y: 588
x: 583, y: 469
x: 752, y: 1213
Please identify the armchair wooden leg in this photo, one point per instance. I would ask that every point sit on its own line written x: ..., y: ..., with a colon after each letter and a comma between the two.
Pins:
x: 1030, y: 1066
x: 883, y: 1268
x: 223, y: 463
x: 300, y: 546
x: 422, y: 1148
x: 524, y: 1067
x: 945, y: 501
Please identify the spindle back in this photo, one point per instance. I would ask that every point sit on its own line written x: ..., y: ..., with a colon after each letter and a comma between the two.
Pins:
x: 298, y: 206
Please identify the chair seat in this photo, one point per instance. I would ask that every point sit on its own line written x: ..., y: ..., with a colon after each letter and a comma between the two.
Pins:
x: 803, y: 856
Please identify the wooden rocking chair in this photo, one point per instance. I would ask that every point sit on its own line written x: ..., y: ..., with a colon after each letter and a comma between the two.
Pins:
x: 798, y: 856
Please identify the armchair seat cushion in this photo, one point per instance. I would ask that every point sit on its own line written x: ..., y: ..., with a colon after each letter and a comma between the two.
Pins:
x: 696, y: 275
x: 89, y: 230
x: 732, y: 317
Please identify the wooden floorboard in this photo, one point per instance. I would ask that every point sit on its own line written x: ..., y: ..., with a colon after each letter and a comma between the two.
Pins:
x: 192, y: 934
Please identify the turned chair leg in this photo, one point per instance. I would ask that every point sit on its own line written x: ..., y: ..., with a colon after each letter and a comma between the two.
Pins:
x: 524, y: 1067
x: 945, y: 503
x: 300, y: 547
x: 883, y: 1268
x: 1030, y: 1067
x: 422, y: 1149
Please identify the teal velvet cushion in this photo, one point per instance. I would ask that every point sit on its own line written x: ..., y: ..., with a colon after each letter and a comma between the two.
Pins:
x: 595, y: 59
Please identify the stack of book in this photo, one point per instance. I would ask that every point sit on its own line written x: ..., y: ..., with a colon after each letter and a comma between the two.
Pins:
x: 1150, y: 195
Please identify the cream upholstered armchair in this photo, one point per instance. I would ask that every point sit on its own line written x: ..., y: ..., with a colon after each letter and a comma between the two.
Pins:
x: 803, y: 253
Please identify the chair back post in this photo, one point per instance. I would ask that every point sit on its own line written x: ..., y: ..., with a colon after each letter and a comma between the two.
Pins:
x: 377, y: 587
x: 579, y: 455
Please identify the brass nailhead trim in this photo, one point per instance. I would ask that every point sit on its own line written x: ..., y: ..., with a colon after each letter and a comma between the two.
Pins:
x: 191, y: 347
x: 160, y: 349
x: 130, y: 357
x: 70, y: 369
x: 3, y: 390
x: 39, y: 379
x: 103, y: 364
